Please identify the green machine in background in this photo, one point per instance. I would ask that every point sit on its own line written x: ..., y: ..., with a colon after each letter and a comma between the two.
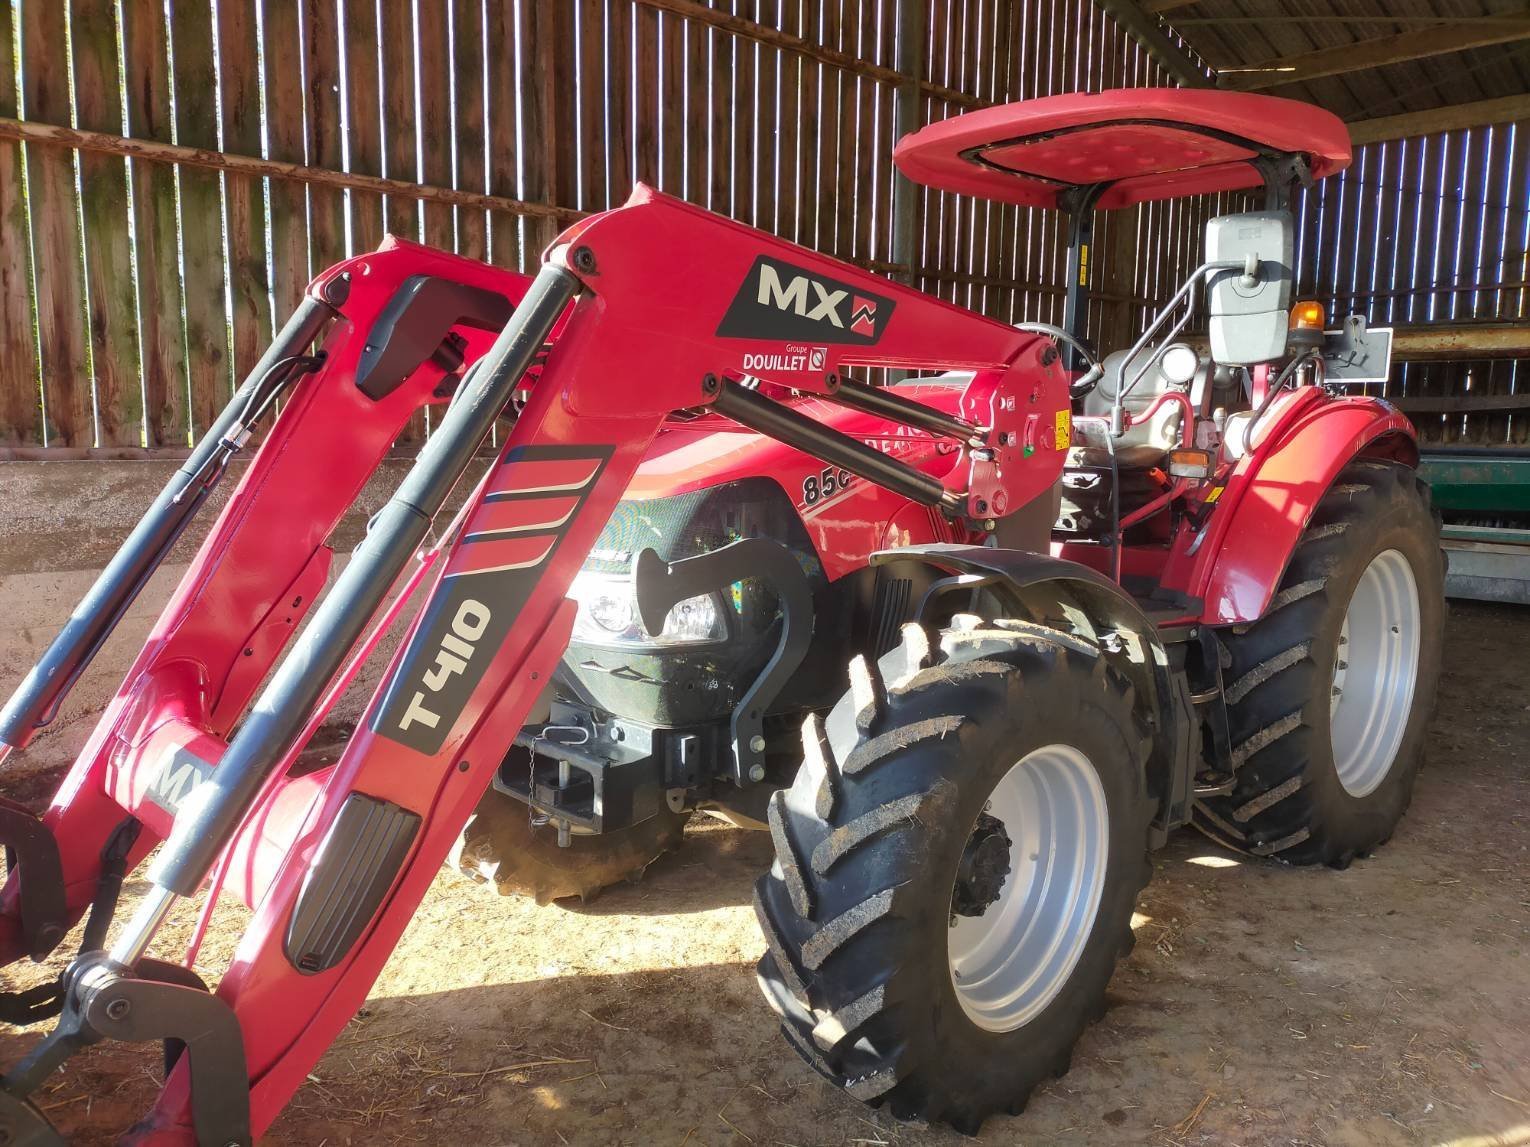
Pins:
x: 1484, y: 494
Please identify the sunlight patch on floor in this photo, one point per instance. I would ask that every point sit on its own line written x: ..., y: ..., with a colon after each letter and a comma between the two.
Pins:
x: 1516, y: 1136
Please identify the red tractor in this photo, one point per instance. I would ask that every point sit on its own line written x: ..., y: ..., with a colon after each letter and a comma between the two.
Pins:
x: 969, y: 645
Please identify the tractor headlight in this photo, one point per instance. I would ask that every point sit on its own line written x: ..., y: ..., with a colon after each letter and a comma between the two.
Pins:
x: 608, y: 614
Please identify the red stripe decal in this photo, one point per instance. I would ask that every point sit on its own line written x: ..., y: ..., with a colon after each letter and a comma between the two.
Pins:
x: 545, y: 475
x: 521, y: 515
x: 509, y: 552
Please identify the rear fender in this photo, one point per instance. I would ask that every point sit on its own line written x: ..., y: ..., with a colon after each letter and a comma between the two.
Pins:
x: 1276, y: 488
x: 1075, y: 599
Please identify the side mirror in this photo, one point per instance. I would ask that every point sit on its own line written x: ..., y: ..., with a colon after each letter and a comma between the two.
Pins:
x: 1249, y: 314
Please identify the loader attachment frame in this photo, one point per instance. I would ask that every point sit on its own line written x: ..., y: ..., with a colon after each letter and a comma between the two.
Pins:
x: 197, y: 747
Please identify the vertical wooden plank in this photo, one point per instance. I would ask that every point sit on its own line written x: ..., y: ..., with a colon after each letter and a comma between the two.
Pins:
x: 500, y: 45
x: 20, y: 404
x: 934, y: 202
x: 745, y: 137
x: 161, y: 335
x: 594, y: 84
x: 831, y: 126
x: 1364, y: 259
x: 434, y: 115
x: 864, y: 198
x: 767, y: 124
x: 60, y: 278
x: 321, y: 118
x: 467, y: 70
x: 239, y: 63
x: 363, y: 127
x: 535, y: 118
x: 201, y: 199
x: 562, y: 97
x: 104, y: 225
x: 619, y: 102
x: 1474, y: 181
x: 810, y: 139
x: 790, y: 116
x: 291, y: 264
x: 401, y: 216
x: 698, y: 113
x: 645, y: 103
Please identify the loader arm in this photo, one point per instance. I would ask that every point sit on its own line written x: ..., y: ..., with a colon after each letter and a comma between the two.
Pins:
x: 636, y: 313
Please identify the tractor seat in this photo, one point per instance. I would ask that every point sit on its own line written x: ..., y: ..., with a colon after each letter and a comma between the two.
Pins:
x: 1144, y: 445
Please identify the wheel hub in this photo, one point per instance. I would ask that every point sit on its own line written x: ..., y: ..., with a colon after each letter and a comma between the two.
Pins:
x: 1374, y: 671
x: 983, y: 868
x: 1030, y: 878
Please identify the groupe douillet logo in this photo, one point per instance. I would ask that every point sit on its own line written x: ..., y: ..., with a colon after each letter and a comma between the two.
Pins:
x: 780, y: 301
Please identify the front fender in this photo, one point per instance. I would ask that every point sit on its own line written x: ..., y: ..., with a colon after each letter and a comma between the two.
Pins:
x: 1276, y: 488
x: 1076, y: 599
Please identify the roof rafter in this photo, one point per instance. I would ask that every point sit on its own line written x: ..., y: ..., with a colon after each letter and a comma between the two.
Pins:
x: 1366, y: 54
x: 1452, y: 117
x: 1142, y: 26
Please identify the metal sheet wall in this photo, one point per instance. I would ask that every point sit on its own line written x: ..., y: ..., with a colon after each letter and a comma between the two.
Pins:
x: 1433, y: 230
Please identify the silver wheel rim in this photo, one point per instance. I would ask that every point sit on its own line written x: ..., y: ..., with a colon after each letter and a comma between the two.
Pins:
x: 1009, y: 963
x: 1374, y: 673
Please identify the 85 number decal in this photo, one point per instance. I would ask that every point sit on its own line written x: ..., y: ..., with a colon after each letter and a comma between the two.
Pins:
x: 825, y: 484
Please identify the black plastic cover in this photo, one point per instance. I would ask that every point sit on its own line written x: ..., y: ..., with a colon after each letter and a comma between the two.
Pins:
x: 357, y: 862
x: 418, y: 317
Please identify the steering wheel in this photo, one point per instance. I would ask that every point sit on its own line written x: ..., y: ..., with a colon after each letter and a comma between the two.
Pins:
x: 1087, y: 381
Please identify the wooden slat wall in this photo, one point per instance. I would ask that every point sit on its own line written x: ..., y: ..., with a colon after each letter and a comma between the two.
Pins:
x: 777, y: 112
x: 1432, y: 230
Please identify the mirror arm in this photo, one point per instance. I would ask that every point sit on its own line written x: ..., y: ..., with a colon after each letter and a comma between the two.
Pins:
x: 1205, y: 269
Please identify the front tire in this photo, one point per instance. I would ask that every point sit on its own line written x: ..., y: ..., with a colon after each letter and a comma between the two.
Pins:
x: 956, y: 866
x: 1329, y: 693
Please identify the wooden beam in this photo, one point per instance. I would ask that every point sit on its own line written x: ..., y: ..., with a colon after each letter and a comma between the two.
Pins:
x: 1144, y: 27
x: 33, y: 132
x: 1476, y: 341
x: 1460, y: 403
x: 1452, y: 117
x: 1266, y: 21
x: 765, y: 34
x: 1155, y: 7
x: 1367, y: 54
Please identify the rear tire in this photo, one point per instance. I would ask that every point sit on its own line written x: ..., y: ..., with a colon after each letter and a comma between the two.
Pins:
x: 1325, y: 744
x: 500, y: 847
x: 887, y: 860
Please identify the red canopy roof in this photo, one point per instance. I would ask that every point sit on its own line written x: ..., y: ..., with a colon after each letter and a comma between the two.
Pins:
x: 1145, y: 143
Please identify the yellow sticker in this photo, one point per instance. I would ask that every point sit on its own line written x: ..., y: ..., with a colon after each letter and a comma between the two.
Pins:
x: 1064, y: 429
x: 1216, y: 492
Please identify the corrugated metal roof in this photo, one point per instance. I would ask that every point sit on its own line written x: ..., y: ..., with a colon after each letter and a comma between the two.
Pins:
x: 1243, y: 34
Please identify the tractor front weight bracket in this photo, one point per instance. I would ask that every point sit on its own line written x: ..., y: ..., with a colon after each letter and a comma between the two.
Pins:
x: 660, y: 586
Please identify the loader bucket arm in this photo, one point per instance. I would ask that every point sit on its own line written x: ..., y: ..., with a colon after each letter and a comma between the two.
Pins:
x: 196, y: 752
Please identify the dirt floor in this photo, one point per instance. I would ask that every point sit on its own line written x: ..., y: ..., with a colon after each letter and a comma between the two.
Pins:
x: 1389, y: 1003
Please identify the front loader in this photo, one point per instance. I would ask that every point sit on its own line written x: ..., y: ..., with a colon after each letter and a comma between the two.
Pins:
x: 1125, y: 621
